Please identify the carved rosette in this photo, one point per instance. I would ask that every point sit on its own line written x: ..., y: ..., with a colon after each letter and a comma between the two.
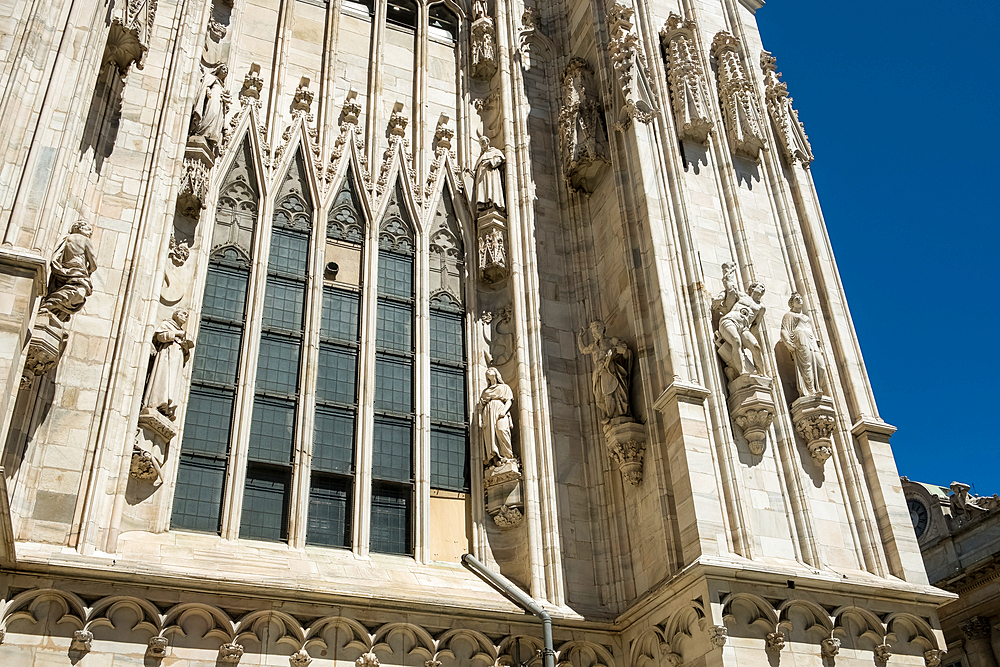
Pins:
x: 752, y: 408
x: 82, y: 641
x: 157, y: 647
x: 815, y: 419
x: 583, y: 138
x: 791, y: 134
x: 484, y: 51
x: 717, y: 634
x: 933, y: 657
x: 128, y: 36
x: 300, y: 659
x: 230, y: 653
x: 626, y: 442
x: 740, y: 110
x: 629, y: 65
x: 830, y: 647
x: 775, y: 641
x: 687, y: 79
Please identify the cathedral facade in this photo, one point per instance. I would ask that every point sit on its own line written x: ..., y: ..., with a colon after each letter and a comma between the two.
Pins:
x: 306, y: 301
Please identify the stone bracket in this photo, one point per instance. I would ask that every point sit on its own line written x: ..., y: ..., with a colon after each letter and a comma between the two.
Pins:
x: 815, y: 418
x: 751, y: 406
x: 626, y: 441
x: 504, y: 495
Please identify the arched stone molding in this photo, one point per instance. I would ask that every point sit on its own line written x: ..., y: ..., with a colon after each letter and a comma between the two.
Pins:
x: 580, y: 653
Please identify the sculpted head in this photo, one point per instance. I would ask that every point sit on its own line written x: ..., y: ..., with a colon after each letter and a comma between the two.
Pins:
x: 597, y: 329
x: 82, y: 227
x: 181, y: 316
x: 493, y: 376
x: 222, y: 72
x: 484, y: 142
x: 756, y: 291
x: 795, y: 302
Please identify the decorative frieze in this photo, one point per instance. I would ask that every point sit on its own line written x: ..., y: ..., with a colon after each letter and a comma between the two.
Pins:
x: 630, y: 66
x: 583, y: 137
x: 740, y: 110
x: 686, y: 76
x: 791, y: 134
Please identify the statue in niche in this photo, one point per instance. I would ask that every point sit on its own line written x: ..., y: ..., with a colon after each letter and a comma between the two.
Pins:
x: 72, y: 265
x: 798, y: 336
x: 479, y: 9
x: 612, y: 371
x: 494, y: 421
x: 741, y: 312
x: 488, y: 189
x: 209, y: 114
x: 173, y: 348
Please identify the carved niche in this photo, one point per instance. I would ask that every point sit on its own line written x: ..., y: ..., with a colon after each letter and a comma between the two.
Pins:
x: 447, y: 252
x: 483, y: 36
x: 738, y: 101
x: 583, y: 136
x: 630, y: 67
x: 791, y: 134
x: 686, y: 77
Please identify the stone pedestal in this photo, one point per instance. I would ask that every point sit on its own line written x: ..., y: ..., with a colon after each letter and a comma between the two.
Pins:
x: 814, y: 419
x: 44, y: 347
x: 150, y: 450
x: 491, y: 229
x: 504, y: 499
x: 626, y: 441
x: 199, y: 158
x: 751, y: 406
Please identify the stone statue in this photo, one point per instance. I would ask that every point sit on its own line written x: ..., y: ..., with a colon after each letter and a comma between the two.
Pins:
x: 479, y: 9
x: 798, y: 336
x: 488, y: 186
x: 494, y: 421
x: 209, y: 114
x: 69, y: 281
x: 612, y: 371
x: 741, y: 312
x: 173, y: 348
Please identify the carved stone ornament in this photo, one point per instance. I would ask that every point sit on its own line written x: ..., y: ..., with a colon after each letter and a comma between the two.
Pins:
x: 432, y: 663
x: 82, y: 641
x: 216, y: 29
x: 209, y: 113
x: 504, y: 497
x: 627, y: 448
x: 230, y: 653
x: 253, y: 83
x: 178, y: 252
x: 583, y: 137
x: 830, y: 647
x: 144, y: 466
x: 612, y: 374
x: 882, y: 653
x: 367, y: 660
x: 738, y: 100
x: 157, y: 647
x: 492, y: 238
x: 815, y: 419
x: 751, y: 406
x: 300, y: 659
x: 508, y: 517
x: 791, y: 134
x: 630, y: 66
x: 671, y: 659
x: 129, y: 34
x: 717, y: 634
x: 194, y: 184
x: 975, y: 628
x: 933, y: 657
x: 686, y: 76
x: 484, y: 50
x: 775, y: 641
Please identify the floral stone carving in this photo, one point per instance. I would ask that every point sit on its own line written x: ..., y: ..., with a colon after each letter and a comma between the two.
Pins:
x: 157, y: 647
x: 740, y: 111
x: 791, y: 134
x: 775, y: 641
x: 687, y: 79
x: 230, y: 653
x: 367, y: 660
x: 627, y: 447
x: 128, y: 36
x: 300, y: 659
x: 717, y: 634
x: 583, y: 137
x: 815, y: 419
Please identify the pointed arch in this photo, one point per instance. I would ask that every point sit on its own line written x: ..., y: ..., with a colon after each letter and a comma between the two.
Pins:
x: 237, y: 210
x: 346, y: 220
x: 397, y: 232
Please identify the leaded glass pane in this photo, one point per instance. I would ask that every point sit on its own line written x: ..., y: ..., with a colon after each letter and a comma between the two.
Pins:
x: 337, y: 373
x: 198, y: 493
x: 329, y: 511
x: 391, y: 518
x: 449, y: 459
x: 225, y: 293
x: 340, y: 314
x: 289, y: 252
x: 217, y: 355
x: 278, y: 365
x: 265, y: 503
x: 333, y: 440
x: 393, y: 449
x: 395, y: 275
x: 272, y: 429
x: 283, y: 301
x: 393, y: 384
x: 447, y: 393
x: 206, y: 426
x: 394, y: 326
x: 447, y: 339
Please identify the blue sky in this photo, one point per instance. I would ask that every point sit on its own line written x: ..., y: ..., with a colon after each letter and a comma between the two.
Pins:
x: 901, y: 104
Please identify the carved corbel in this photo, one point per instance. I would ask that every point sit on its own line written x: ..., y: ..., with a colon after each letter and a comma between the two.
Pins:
x: 300, y: 659
x: 128, y: 36
x: 686, y: 77
x: 740, y: 109
x: 156, y: 648
x: 230, y: 654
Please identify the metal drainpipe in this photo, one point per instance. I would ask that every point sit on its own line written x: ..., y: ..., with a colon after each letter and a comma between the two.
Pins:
x: 517, y: 596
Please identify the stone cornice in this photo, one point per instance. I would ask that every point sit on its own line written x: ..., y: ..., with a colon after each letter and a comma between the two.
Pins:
x: 752, y: 5
x: 870, y: 425
x: 681, y: 388
x: 23, y: 262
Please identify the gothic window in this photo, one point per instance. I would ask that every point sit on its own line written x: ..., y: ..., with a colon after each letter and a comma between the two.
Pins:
x: 402, y: 13
x: 301, y: 372
x: 443, y: 23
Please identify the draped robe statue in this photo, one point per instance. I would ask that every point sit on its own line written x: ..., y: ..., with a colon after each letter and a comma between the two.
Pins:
x: 172, y: 349
x: 798, y: 336
x: 612, y: 371
x: 209, y: 114
x: 494, y: 419
x: 488, y: 191
x: 72, y: 265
